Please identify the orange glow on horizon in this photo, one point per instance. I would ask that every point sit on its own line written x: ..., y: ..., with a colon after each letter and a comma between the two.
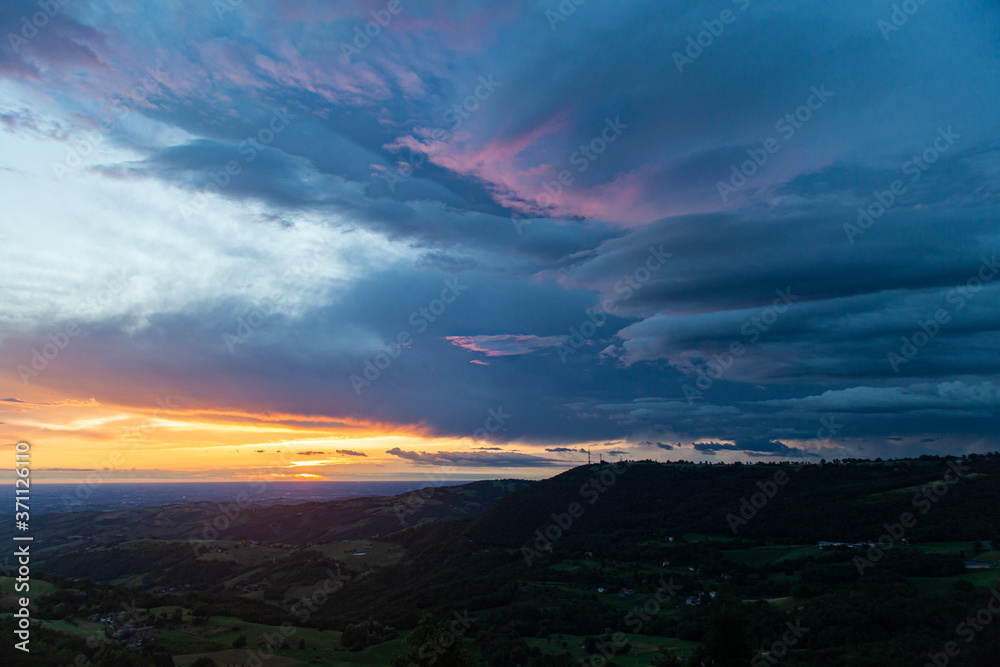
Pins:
x: 77, y: 439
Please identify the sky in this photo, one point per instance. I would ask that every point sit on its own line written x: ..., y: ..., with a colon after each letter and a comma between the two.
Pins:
x: 398, y: 239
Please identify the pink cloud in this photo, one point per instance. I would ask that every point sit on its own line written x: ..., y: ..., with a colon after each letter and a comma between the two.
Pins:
x: 629, y: 199
x: 506, y: 345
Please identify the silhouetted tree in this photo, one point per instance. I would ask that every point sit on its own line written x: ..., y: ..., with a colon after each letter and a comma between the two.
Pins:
x: 727, y: 642
x: 431, y: 644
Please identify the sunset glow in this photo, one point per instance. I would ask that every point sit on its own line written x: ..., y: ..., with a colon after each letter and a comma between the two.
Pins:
x: 483, y: 245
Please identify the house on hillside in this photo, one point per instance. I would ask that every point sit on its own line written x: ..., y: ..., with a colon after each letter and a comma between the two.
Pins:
x: 979, y: 565
x: 850, y: 545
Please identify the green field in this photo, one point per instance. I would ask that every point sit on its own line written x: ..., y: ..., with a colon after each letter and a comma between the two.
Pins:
x: 944, y: 585
x: 37, y: 588
x: 237, y: 657
x: 575, y: 565
x: 83, y: 629
x: 757, y: 556
x: 215, y: 638
x: 362, y: 554
x: 946, y: 547
x: 699, y: 537
x: 244, y: 555
x: 321, y: 647
x: 785, y: 604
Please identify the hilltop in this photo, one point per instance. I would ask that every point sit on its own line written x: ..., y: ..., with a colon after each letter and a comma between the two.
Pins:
x: 880, y: 560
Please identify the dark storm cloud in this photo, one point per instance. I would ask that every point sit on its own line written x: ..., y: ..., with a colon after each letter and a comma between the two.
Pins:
x: 754, y: 448
x: 982, y: 398
x: 660, y: 445
x: 765, y: 447
x: 473, y: 459
x: 711, y: 448
x: 55, y: 39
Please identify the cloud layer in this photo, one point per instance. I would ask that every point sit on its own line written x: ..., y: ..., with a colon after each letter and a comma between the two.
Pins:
x: 250, y: 211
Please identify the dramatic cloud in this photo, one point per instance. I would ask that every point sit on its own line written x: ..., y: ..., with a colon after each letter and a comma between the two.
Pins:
x: 925, y: 398
x: 506, y: 345
x: 661, y: 445
x: 756, y: 448
x: 478, y: 211
x: 476, y: 459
